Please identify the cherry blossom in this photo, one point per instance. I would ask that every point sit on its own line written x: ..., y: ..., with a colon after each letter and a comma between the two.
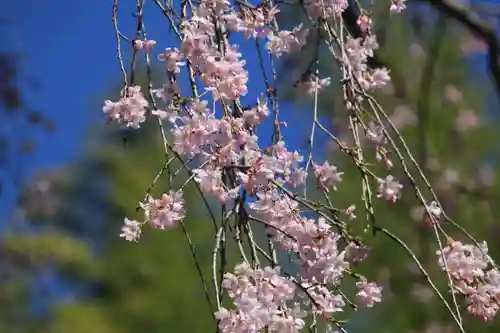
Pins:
x: 218, y: 139
x: 389, y: 189
x: 166, y: 211
x: 397, y: 6
x: 173, y: 58
x: 327, y: 174
x: 473, y: 276
x: 131, y: 230
x: 129, y: 110
x: 368, y: 293
x: 146, y: 45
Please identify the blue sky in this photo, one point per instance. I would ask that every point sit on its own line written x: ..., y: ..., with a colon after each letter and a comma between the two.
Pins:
x: 68, y: 48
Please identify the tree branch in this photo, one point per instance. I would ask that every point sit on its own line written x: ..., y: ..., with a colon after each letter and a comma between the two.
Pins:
x: 478, y: 28
x: 350, y: 18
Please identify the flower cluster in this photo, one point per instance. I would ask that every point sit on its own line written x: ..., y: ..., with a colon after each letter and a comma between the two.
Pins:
x: 389, y: 189
x: 325, y: 9
x: 473, y: 276
x: 146, y: 45
x: 357, y: 52
x: 319, y: 259
x: 232, y: 165
x: 129, y: 110
x: 327, y: 175
x: 368, y: 293
x: 287, y: 41
x: 164, y: 212
x: 131, y: 230
x: 262, y: 298
x: 222, y: 72
x: 232, y: 162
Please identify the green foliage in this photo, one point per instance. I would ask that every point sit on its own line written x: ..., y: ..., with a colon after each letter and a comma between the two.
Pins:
x: 152, y: 286
x: 39, y: 248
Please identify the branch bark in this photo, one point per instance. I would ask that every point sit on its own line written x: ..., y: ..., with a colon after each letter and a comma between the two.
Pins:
x: 478, y: 28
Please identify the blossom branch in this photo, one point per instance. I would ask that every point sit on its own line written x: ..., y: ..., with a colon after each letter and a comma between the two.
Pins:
x: 256, y: 184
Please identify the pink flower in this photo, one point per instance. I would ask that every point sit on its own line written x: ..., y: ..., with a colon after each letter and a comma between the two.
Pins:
x: 165, y: 212
x: 173, y: 58
x: 368, y: 293
x: 473, y: 277
x: 167, y: 92
x: 378, y: 79
x: 287, y: 41
x: 375, y: 133
x: 397, y: 6
x: 434, y: 214
x: 131, y: 230
x: 314, y: 83
x: 129, y: 110
x: 146, y: 45
x: 261, y: 299
x: 256, y: 115
x: 370, y: 44
x: 389, y: 189
x: 365, y: 23
x: 356, y: 253
x: 467, y: 120
x: 216, y: 5
x: 327, y: 174
x: 349, y: 212
x: 211, y: 183
x: 325, y: 8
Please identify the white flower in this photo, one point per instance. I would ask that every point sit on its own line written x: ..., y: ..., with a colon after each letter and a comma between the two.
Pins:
x: 131, y: 231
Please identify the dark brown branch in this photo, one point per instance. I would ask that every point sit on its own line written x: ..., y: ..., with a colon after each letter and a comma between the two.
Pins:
x: 478, y: 28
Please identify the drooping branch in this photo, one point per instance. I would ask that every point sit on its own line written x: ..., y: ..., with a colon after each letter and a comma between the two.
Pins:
x: 350, y: 18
